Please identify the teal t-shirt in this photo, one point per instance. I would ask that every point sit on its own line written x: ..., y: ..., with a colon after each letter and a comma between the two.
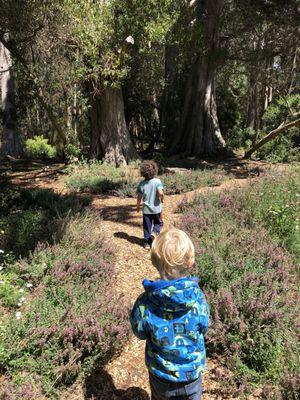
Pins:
x: 148, y: 191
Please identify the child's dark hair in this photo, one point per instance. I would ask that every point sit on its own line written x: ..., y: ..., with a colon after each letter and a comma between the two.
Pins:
x: 149, y: 169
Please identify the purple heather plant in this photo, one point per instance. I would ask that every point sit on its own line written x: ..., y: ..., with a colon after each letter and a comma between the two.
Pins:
x: 250, y: 281
x: 76, y: 322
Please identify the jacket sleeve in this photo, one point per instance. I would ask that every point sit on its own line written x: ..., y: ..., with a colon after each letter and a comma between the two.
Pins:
x: 138, y: 318
x: 204, y: 315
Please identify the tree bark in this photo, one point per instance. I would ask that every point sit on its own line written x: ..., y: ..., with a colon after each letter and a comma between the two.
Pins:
x: 199, y: 133
x: 170, y: 115
x: 110, y: 138
x: 271, y: 136
x: 11, y: 138
x: 12, y: 49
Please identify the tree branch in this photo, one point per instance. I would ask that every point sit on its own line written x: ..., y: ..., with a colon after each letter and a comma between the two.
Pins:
x: 272, y: 135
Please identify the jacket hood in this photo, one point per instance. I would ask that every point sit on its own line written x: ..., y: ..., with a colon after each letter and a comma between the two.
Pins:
x: 173, y: 295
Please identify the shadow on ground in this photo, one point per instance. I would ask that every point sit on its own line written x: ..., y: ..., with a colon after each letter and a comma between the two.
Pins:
x: 237, y: 167
x: 29, y: 217
x: 100, y: 386
x: 119, y: 213
x: 27, y: 173
x: 131, y: 239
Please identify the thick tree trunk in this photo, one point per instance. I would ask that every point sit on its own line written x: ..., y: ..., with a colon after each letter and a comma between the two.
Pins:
x: 11, y: 138
x: 110, y: 137
x: 12, y: 49
x: 170, y: 115
x: 251, y: 103
x: 199, y: 133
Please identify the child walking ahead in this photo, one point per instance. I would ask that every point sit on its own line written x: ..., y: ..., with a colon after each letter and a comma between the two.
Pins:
x: 172, y: 316
x: 150, y: 191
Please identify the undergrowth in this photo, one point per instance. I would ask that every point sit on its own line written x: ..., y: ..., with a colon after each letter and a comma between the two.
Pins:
x: 97, y: 177
x: 31, y: 216
x: 246, y: 263
x: 61, y: 318
x: 72, y: 322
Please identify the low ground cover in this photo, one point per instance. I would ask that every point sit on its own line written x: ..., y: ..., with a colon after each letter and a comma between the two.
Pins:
x: 61, y: 319
x: 248, y: 269
x: 31, y: 216
x: 275, y: 203
x: 96, y: 177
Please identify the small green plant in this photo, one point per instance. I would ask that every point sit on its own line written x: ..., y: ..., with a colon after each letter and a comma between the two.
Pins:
x: 10, y: 294
x: 38, y: 147
x: 193, y: 179
x: 72, y: 152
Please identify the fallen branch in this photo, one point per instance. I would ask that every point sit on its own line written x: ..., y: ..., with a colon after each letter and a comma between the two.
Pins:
x: 282, y: 127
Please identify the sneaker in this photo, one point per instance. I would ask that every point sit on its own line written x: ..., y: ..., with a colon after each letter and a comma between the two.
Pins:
x: 153, y: 235
x: 146, y: 245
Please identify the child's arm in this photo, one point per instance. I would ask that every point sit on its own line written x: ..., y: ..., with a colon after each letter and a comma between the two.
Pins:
x: 138, y: 318
x: 138, y: 202
x: 160, y: 193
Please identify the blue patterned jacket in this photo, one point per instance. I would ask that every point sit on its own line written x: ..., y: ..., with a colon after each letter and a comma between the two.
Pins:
x: 172, y: 316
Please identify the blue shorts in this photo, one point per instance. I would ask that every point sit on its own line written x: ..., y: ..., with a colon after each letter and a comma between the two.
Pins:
x: 165, y: 390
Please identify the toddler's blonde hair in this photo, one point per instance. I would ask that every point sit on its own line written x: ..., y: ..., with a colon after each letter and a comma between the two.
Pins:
x: 173, y: 253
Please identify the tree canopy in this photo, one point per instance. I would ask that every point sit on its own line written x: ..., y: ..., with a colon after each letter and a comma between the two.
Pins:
x: 113, y: 79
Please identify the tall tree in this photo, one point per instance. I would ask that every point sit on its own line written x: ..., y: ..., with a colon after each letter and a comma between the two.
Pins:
x: 25, y: 21
x: 110, y: 138
x: 102, y: 50
x: 199, y: 133
x: 11, y: 139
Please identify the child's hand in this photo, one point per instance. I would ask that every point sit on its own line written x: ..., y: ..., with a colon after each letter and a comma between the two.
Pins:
x: 138, y: 203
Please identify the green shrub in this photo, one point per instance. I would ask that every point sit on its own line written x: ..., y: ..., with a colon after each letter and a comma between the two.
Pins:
x: 241, y: 138
x: 23, y: 229
x: 278, y: 111
x: 281, y: 149
x: 126, y: 187
x: 184, y: 182
x: 38, y: 147
x: 9, y: 196
x: 274, y: 203
x: 31, y: 216
x: 96, y: 177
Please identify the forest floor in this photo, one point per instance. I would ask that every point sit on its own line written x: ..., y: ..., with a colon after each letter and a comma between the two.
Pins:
x: 125, y: 376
